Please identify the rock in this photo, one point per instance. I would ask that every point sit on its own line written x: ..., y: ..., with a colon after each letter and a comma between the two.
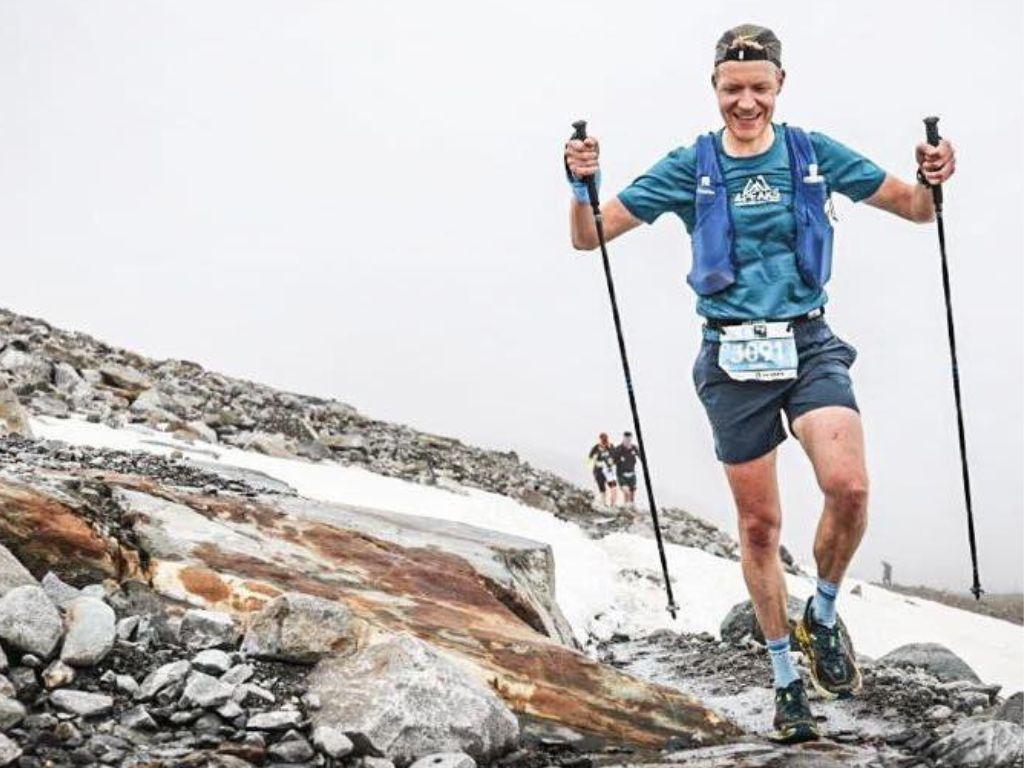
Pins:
x: 26, y: 367
x: 446, y: 760
x: 230, y: 710
x: 162, y: 678
x: 332, y: 741
x: 81, y: 703
x: 292, y: 751
x: 14, y: 419
x: 238, y: 674
x: 126, y: 684
x: 202, y: 690
x: 57, y: 675
x: 90, y: 635
x: 277, y: 720
x: 139, y: 719
x: 3, y: 660
x: 271, y: 445
x: 29, y: 621
x: 97, y: 591
x: 980, y: 744
x: 60, y: 593
x: 201, y: 629
x: 741, y: 621
x: 12, y: 712
x: 124, y: 377
x: 299, y: 628
x: 12, y: 572
x: 1011, y: 710
x: 24, y: 681
x: 202, y: 431
x: 939, y: 713
x: 9, y: 751
x: 933, y: 657
x: 405, y: 699
x: 126, y: 627
x: 212, y: 661
x: 857, y: 591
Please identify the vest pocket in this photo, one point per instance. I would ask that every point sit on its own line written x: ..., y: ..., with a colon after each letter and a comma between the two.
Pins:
x: 814, y: 234
x: 712, y: 243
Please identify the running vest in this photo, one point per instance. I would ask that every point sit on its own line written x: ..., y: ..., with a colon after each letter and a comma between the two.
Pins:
x: 714, y: 263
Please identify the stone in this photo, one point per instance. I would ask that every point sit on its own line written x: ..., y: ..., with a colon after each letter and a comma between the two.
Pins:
x: 27, y: 367
x: 57, y: 675
x: 12, y: 572
x: 138, y: 718
x: 933, y: 657
x: 60, y: 593
x: 14, y: 419
x: 9, y: 751
x: 230, y: 710
x: 126, y: 684
x: 24, y: 680
x: 332, y: 741
x: 741, y: 621
x: 29, y: 621
x: 7, y: 688
x: 3, y: 660
x: 404, y: 699
x: 90, y: 635
x: 127, y: 627
x: 277, y: 720
x: 980, y: 744
x: 161, y: 678
x: 238, y: 674
x: 446, y: 760
x: 202, y: 690
x: 939, y: 713
x: 213, y: 661
x: 1011, y: 710
x: 12, y: 712
x: 292, y: 751
x: 81, y: 703
x: 97, y: 591
x: 124, y: 377
x: 201, y: 629
x: 299, y: 628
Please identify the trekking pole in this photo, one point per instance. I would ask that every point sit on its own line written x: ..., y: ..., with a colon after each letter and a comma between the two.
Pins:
x: 580, y: 127
x: 931, y: 125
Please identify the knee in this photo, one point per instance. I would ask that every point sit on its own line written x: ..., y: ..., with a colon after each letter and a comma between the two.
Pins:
x: 759, y: 533
x: 848, y: 492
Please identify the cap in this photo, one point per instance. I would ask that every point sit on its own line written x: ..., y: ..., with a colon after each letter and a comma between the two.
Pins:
x: 749, y: 42
x: 627, y: 434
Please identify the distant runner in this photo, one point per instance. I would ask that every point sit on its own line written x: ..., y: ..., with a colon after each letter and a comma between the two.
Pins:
x: 602, y: 462
x: 626, y: 455
x: 754, y: 197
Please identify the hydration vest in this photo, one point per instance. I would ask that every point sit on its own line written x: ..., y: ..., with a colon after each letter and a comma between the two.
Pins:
x: 714, y: 262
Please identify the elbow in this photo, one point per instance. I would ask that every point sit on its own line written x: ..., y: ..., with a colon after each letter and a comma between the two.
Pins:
x: 581, y: 244
x: 927, y: 217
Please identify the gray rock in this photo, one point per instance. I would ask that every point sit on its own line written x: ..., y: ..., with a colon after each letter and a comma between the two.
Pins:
x: 3, y: 660
x: 201, y: 629
x: 212, y: 661
x: 27, y: 368
x: 299, y: 628
x: 741, y: 621
x: 230, y: 710
x: 90, y: 635
x: 126, y: 627
x: 202, y: 690
x: 126, y: 684
x: 12, y: 712
x: 277, y: 720
x: 60, y: 593
x: 247, y: 693
x: 124, y: 377
x: 57, y: 675
x: 9, y: 751
x: 29, y: 621
x: 446, y: 760
x: 14, y: 419
x: 94, y: 590
x: 81, y: 703
x: 7, y: 688
x: 12, y: 572
x: 332, y: 741
x: 933, y: 657
x: 138, y: 718
x: 980, y: 744
x: 1011, y: 710
x: 405, y: 699
x: 292, y: 751
x: 238, y: 674
x: 161, y: 678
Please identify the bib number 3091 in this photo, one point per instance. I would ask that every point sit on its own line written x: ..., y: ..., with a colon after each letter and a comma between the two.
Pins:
x: 758, y: 352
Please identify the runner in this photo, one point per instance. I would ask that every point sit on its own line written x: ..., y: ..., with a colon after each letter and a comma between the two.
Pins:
x: 753, y: 196
x: 626, y: 455
x: 602, y: 462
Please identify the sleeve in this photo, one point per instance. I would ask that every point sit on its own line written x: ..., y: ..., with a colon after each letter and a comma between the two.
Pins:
x: 593, y: 453
x: 846, y: 171
x: 667, y: 186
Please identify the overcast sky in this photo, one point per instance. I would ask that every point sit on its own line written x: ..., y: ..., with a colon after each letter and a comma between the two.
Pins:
x: 365, y: 201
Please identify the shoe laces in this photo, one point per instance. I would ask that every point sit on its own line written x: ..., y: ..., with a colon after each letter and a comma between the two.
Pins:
x: 830, y: 647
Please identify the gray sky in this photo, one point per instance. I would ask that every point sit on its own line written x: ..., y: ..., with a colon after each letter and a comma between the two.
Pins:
x: 365, y: 201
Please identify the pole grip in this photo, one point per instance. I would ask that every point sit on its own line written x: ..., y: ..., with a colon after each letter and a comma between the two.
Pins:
x: 579, y: 130
x: 931, y: 132
x: 580, y: 133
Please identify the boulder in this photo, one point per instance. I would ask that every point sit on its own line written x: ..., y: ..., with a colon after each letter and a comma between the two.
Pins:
x: 124, y: 377
x: 9, y: 751
x: 980, y: 744
x: 60, y: 593
x: 12, y: 712
x: 26, y: 367
x: 12, y: 572
x: 14, y: 419
x: 161, y: 678
x: 206, y: 692
x: 201, y: 629
x: 57, y: 675
x: 935, y: 658
x: 1011, y: 710
x: 332, y: 741
x: 81, y: 703
x: 741, y: 620
x: 29, y: 621
x: 402, y: 698
x: 299, y: 628
x: 91, y: 632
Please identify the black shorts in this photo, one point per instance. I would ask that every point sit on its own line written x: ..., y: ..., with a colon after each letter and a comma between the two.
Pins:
x: 627, y: 479
x: 602, y: 482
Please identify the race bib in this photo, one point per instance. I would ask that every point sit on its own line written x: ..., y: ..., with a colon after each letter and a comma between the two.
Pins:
x: 758, y: 351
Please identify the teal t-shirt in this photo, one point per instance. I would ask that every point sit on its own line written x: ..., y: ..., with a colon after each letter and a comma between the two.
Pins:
x: 768, y: 284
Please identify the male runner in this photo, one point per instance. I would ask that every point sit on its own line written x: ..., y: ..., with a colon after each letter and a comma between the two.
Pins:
x: 753, y: 197
x: 626, y: 455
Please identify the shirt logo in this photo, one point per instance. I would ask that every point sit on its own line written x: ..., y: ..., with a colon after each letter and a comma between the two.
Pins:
x: 757, y: 192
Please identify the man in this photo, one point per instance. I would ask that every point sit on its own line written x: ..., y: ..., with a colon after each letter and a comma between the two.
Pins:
x: 753, y: 197
x: 602, y: 462
x: 625, y: 455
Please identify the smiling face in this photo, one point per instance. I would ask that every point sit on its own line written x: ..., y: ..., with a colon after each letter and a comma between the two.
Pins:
x: 746, y: 92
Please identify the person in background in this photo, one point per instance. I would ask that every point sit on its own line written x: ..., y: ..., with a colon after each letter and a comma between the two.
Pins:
x: 625, y: 455
x: 602, y: 463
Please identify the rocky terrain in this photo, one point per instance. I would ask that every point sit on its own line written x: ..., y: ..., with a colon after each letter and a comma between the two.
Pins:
x: 159, y: 611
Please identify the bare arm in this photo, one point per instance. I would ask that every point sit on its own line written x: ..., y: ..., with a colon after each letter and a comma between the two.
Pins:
x: 914, y: 201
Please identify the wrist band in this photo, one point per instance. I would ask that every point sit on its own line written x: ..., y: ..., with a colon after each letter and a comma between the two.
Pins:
x: 579, y: 186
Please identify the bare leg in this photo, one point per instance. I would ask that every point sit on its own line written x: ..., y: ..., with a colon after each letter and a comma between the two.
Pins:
x: 834, y: 441
x: 755, y: 490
